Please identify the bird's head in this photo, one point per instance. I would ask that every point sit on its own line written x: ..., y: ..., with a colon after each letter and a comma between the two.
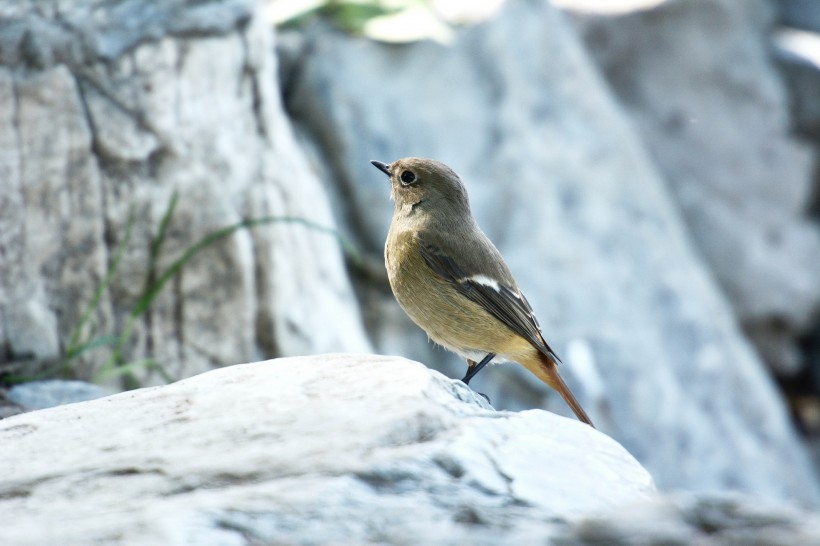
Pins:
x: 426, y: 184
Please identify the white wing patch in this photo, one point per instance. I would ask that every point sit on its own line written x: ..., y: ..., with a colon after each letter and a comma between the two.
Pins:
x: 503, y: 302
x: 486, y: 281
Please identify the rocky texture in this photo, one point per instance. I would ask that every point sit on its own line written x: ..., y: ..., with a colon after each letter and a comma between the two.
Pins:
x: 315, y: 450
x: 708, y: 520
x: 697, y: 80
x: 344, y: 449
x: 47, y: 394
x: 560, y: 181
x: 799, y: 13
x: 798, y: 55
x: 105, y: 106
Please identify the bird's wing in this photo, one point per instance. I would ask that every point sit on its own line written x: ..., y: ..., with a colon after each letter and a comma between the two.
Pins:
x: 504, y: 302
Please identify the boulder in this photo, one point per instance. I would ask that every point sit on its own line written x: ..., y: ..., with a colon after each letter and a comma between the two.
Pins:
x: 36, y: 395
x: 697, y: 80
x: 798, y: 57
x: 708, y: 519
x: 349, y: 449
x: 559, y: 179
x: 111, y: 108
x: 804, y: 14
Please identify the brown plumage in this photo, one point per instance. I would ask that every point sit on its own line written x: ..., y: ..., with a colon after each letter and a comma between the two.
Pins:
x: 452, y: 281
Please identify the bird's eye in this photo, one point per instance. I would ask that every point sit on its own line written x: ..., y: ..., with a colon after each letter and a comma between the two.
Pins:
x: 408, y: 177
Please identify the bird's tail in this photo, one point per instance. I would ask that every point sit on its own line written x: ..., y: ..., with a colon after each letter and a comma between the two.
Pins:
x: 548, y: 373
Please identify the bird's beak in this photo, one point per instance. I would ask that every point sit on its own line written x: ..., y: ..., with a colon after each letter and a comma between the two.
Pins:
x: 382, y: 167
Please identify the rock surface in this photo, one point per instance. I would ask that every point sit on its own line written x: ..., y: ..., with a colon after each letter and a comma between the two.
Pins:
x: 799, y: 13
x: 798, y: 56
x: 699, y: 84
x: 708, y: 520
x: 36, y: 395
x: 314, y: 450
x: 113, y: 105
x: 561, y: 182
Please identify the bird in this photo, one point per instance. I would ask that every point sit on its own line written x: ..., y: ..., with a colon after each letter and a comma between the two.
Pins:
x: 452, y: 281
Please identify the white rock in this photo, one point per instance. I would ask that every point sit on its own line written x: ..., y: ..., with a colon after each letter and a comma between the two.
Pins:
x: 329, y: 449
x: 126, y: 108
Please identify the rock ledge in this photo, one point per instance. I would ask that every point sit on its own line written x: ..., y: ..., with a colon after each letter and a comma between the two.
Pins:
x: 357, y: 448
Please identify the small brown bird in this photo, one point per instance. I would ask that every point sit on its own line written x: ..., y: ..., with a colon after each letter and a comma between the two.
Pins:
x: 452, y: 281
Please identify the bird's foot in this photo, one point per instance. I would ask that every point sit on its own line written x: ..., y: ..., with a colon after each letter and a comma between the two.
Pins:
x: 473, y: 368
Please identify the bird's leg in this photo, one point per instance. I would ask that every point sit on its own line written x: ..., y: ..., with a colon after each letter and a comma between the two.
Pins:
x: 473, y: 368
x: 470, y: 363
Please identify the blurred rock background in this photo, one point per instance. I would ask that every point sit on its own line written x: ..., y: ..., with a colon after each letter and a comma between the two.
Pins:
x: 647, y: 167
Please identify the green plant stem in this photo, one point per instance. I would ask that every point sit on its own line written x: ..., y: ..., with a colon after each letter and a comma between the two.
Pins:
x: 155, y: 285
x: 75, y: 347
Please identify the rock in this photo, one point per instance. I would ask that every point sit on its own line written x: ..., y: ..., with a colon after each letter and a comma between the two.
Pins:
x: 802, y: 14
x: 714, y: 519
x: 560, y: 181
x: 348, y: 449
x: 798, y: 58
x: 111, y: 108
x: 698, y: 82
x: 47, y: 394
x: 7, y: 409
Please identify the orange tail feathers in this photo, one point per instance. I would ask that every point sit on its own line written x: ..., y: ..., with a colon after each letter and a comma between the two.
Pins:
x: 548, y: 373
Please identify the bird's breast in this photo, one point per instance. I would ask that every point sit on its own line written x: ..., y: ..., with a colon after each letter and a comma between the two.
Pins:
x: 449, y: 318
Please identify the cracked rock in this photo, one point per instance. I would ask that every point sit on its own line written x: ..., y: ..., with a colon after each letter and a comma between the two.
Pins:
x: 111, y: 107
x: 347, y: 449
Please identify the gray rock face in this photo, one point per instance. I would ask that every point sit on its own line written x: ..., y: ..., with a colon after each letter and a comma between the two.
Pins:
x: 697, y: 80
x: 799, y: 60
x: 559, y: 180
x: 47, y: 394
x: 314, y: 450
x: 716, y: 519
x: 799, y: 13
x: 109, y: 106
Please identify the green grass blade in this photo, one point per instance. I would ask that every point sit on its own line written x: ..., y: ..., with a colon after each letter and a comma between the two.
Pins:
x: 101, y: 341
x: 216, y: 236
x: 156, y: 244
x: 156, y: 284
x: 126, y: 369
x: 74, y: 343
